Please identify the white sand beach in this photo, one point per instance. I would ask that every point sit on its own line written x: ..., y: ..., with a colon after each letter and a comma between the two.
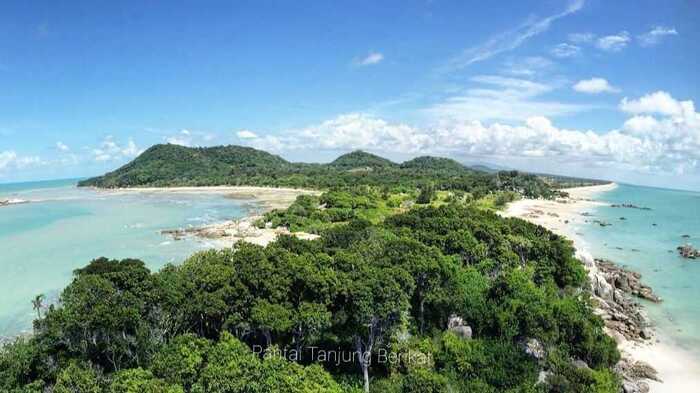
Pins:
x: 226, y: 234
x: 679, y: 371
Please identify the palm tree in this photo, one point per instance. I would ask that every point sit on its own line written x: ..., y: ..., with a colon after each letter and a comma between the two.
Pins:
x: 38, y: 304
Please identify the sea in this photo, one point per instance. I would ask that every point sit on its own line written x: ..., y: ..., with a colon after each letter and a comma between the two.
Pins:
x: 63, y: 227
x: 645, y: 238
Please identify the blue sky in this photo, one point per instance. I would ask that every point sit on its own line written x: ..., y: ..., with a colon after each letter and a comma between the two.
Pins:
x: 590, y: 88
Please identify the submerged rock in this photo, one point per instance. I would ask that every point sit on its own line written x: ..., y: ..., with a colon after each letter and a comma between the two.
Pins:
x: 688, y: 251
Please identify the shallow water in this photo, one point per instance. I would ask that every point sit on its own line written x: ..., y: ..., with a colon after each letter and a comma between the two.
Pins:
x: 651, y: 250
x: 63, y: 228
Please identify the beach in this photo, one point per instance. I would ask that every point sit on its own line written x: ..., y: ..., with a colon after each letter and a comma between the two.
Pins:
x: 227, y: 233
x: 678, y: 370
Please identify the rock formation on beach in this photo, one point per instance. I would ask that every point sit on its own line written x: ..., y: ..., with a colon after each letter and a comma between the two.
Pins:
x: 614, y: 287
x: 689, y: 252
x: 8, y: 202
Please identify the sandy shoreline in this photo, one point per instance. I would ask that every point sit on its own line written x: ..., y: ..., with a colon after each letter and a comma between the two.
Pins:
x: 678, y: 370
x: 226, y: 234
x: 269, y: 197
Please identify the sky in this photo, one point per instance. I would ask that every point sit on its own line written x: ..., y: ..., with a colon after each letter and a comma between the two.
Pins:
x: 586, y: 88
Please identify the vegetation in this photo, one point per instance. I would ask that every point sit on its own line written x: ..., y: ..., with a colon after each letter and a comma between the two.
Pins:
x: 365, y: 307
x: 172, y: 165
x: 256, y: 319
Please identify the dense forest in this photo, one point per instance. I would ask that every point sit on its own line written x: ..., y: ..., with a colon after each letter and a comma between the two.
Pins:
x: 414, y: 285
x: 257, y: 319
x: 173, y: 165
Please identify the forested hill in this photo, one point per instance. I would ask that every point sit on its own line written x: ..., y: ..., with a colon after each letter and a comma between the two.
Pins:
x: 173, y: 165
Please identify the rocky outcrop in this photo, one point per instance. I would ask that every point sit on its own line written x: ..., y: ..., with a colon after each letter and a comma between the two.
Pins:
x: 615, y: 289
x: 626, y: 280
x: 633, y: 374
x: 534, y: 348
x: 8, y: 202
x: 456, y: 325
x: 689, y: 252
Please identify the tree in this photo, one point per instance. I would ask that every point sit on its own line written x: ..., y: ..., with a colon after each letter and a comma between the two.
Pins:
x: 377, y: 303
x: 78, y: 378
x: 38, y: 304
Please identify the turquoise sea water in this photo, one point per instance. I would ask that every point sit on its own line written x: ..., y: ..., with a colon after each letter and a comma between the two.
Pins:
x: 63, y: 228
x: 651, y: 250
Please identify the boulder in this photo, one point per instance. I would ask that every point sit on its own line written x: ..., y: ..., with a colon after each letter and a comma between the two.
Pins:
x: 534, y: 348
x: 456, y: 325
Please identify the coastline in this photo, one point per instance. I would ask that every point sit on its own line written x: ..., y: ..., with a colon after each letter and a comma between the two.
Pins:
x: 676, y: 370
x: 227, y: 233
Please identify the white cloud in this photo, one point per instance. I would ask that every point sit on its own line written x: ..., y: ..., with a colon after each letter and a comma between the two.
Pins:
x: 595, y: 86
x: 189, y: 138
x: 669, y: 143
x: 659, y: 102
x: 564, y: 50
x: 246, y: 134
x: 183, y: 138
x: 501, y: 98
x: 110, y: 150
x: 371, y: 59
x: 527, y: 66
x: 509, y: 40
x: 62, y: 146
x: 582, y: 38
x: 655, y: 35
x: 10, y: 160
x: 615, y: 42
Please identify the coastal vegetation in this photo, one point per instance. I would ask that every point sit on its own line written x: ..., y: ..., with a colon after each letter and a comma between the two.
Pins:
x: 413, y: 285
x: 173, y: 165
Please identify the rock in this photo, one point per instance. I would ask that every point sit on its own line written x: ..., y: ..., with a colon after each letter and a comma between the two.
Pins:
x: 635, y: 387
x: 646, y: 333
x: 686, y: 236
x: 456, y: 325
x: 688, y: 251
x: 542, y: 377
x: 630, y: 206
x: 534, y: 348
x: 578, y: 363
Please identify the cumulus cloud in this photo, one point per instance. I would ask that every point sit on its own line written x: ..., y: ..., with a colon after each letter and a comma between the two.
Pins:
x: 564, y: 50
x: 509, y: 40
x: 183, y: 138
x: 501, y: 98
x: 614, y: 42
x: 111, y: 150
x: 655, y: 35
x: 10, y: 160
x: 595, y: 86
x: 62, y: 146
x: 371, y: 59
x: 659, y: 137
x: 246, y: 134
x: 659, y: 102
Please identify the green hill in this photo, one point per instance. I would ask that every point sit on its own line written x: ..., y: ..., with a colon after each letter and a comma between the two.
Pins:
x: 174, y: 165
x: 168, y: 165
x: 434, y: 163
x: 361, y: 159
